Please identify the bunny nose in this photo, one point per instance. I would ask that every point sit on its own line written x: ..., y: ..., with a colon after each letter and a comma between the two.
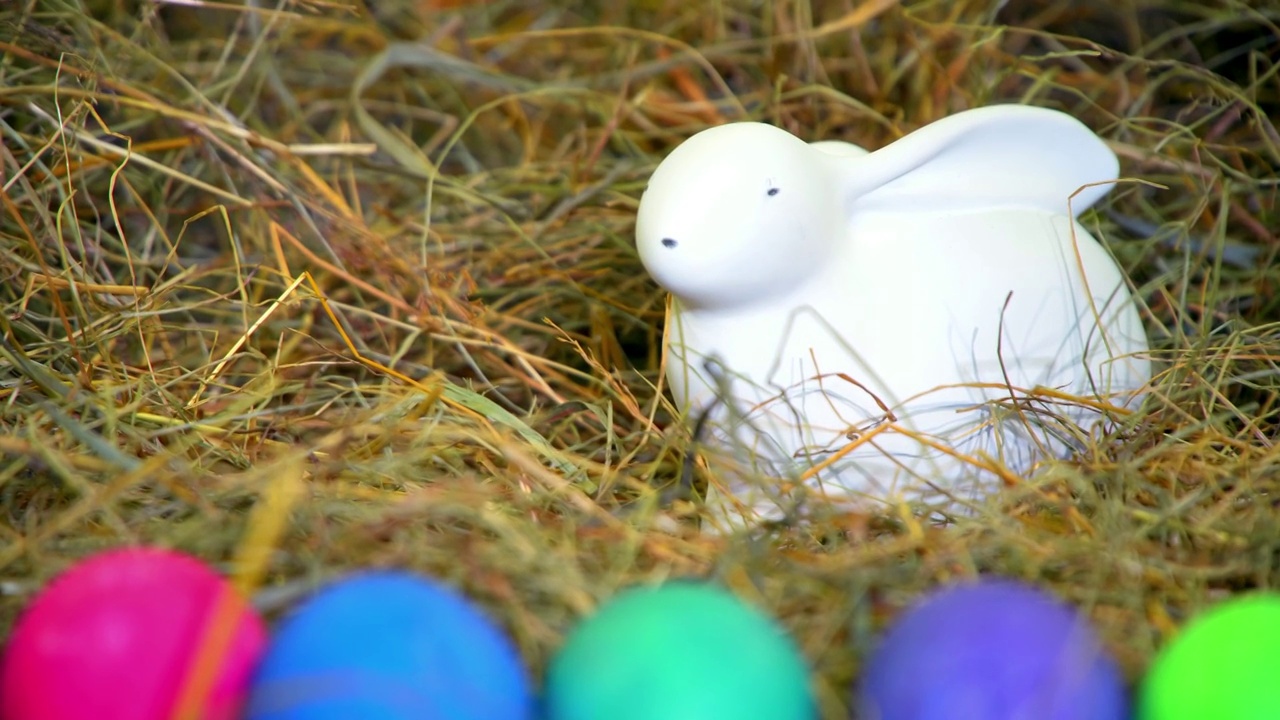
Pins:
x: 669, y: 242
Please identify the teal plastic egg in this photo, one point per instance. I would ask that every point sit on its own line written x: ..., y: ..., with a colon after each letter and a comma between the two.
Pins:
x: 681, y: 651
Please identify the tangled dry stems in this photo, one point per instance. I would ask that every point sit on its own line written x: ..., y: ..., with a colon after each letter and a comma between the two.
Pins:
x: 319, y: 286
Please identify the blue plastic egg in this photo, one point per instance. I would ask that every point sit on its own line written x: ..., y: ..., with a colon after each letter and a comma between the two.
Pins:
x: 992, y: 650
x: 389, y: 646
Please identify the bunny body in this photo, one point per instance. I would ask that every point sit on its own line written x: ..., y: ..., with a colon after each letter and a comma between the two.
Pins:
x: 928, y: 279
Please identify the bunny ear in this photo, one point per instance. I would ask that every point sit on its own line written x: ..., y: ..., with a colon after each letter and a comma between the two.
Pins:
x: 1004, y: 155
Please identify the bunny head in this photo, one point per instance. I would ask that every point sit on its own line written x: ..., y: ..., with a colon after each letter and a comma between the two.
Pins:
x: 745, y: 212
x: 737, y: 214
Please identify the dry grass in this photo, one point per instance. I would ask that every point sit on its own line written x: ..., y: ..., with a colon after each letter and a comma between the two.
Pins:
x: 304, y: 287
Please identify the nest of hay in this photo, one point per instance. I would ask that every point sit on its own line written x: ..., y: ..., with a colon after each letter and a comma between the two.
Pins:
x: 316, y: 286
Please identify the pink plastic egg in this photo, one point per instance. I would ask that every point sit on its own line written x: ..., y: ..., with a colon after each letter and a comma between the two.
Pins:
x: 120, y: 636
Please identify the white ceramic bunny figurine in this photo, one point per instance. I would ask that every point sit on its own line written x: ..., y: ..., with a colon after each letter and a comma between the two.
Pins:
x: 932, y: 279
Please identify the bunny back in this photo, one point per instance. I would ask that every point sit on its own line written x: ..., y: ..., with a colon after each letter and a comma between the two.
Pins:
x: 928, y: 316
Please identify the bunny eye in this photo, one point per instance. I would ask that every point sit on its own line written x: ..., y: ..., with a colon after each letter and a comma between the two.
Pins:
x: 774, y: 191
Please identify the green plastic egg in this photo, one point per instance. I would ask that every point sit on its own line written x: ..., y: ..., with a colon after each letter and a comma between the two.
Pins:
x: 681, y: 651
x: 1225, y: 665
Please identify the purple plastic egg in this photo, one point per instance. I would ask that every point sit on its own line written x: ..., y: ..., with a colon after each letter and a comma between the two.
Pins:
x: 991, y: 650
